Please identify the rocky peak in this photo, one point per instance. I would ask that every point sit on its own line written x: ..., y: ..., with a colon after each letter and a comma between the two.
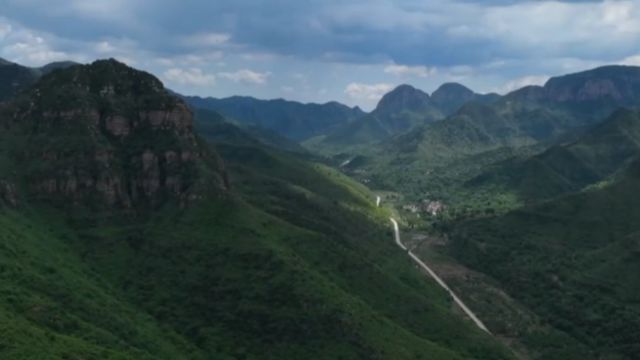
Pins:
x: 449, y: 97
x: 618, y: 83
x: 403, y: 97
x: 105, y: 135
x: 449, y: 91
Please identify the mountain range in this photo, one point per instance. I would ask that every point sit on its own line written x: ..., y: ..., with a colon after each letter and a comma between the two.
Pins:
x: 138, y: 223
x: 602, y: 152
x: 291, y: 119
x: 402, y: 109
x: 128, y: 234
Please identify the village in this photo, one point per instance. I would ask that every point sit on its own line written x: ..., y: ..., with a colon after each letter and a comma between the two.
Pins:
x: 426, y: 206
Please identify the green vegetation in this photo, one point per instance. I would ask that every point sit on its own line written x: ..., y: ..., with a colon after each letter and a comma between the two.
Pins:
x: 130, y: 239
x: 15, y: 78
x: 539, y: 197
x: 571, y: 260
x: 602, y: 152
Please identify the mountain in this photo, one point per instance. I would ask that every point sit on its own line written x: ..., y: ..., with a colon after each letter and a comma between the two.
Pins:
x: 292, y: 119
x: 531, y: 114
x: 215, y: 127
x: 524, y: 120
x: 573, y: 260
x: 404, y: 98
x: 124, y: 234
x: 600, y: 153
x: 450, y: 97
x: 14, y: 77
x: 617, y: 83
x: 55, y: 66
x: 116, y: 115
x: 403, y: 109
x: 592, y: 95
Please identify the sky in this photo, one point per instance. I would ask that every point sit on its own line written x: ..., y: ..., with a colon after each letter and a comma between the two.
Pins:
x: 352, y: 51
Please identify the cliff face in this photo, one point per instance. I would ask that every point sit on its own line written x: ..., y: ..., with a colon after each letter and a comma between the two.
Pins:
x: 108, y: 136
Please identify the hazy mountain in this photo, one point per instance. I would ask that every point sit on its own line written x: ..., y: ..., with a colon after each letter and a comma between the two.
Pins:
x: 215, y: 128
x: 604, y: 150
x: 288, y: 118
x: 403, y: 109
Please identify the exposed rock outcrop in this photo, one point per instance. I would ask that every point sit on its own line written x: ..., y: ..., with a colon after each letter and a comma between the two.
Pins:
x: 108, y: 136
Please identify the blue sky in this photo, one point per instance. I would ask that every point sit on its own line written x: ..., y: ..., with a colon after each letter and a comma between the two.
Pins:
x: 320, y: 50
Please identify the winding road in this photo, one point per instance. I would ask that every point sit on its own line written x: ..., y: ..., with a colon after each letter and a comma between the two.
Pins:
x: 456, y: 299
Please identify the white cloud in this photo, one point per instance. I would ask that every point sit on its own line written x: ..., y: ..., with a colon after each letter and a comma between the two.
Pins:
x: 30, y: 49
x: 405, y: 70
x: 104, y: 47
x: 194, y: 59
x: 552, y: 27
x: 206, y: 39
x: 521, y: 82
x: 5, y: 29
x: 246, y: 76
x: 631, y: 60
x: 100, y: 9
x: 369, y: 92
x: 189, y: 76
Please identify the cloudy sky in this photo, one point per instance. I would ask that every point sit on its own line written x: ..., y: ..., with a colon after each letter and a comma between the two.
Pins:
x: 320, y: 50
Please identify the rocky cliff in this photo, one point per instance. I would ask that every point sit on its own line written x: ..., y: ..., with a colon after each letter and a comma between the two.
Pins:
x: 107, y: 136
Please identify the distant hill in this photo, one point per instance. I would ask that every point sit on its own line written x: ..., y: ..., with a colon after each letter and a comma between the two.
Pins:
x: 292, y: 119
x: 526, y: 122
x: 530, y: 114
x: 592, y: 94
x: 402, y: 109
x: 215, y: 128
x: 15, y: 77
x: 603, y: 151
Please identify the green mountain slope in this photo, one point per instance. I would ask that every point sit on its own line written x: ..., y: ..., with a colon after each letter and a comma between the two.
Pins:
x: 604, y: 150
x: 213, y: 126
x: 532, y: 117
x: 128, y: 236
x: 572, y: 260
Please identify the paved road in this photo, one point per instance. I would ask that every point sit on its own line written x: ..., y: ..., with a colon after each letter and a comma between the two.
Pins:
x: 435, y: 276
